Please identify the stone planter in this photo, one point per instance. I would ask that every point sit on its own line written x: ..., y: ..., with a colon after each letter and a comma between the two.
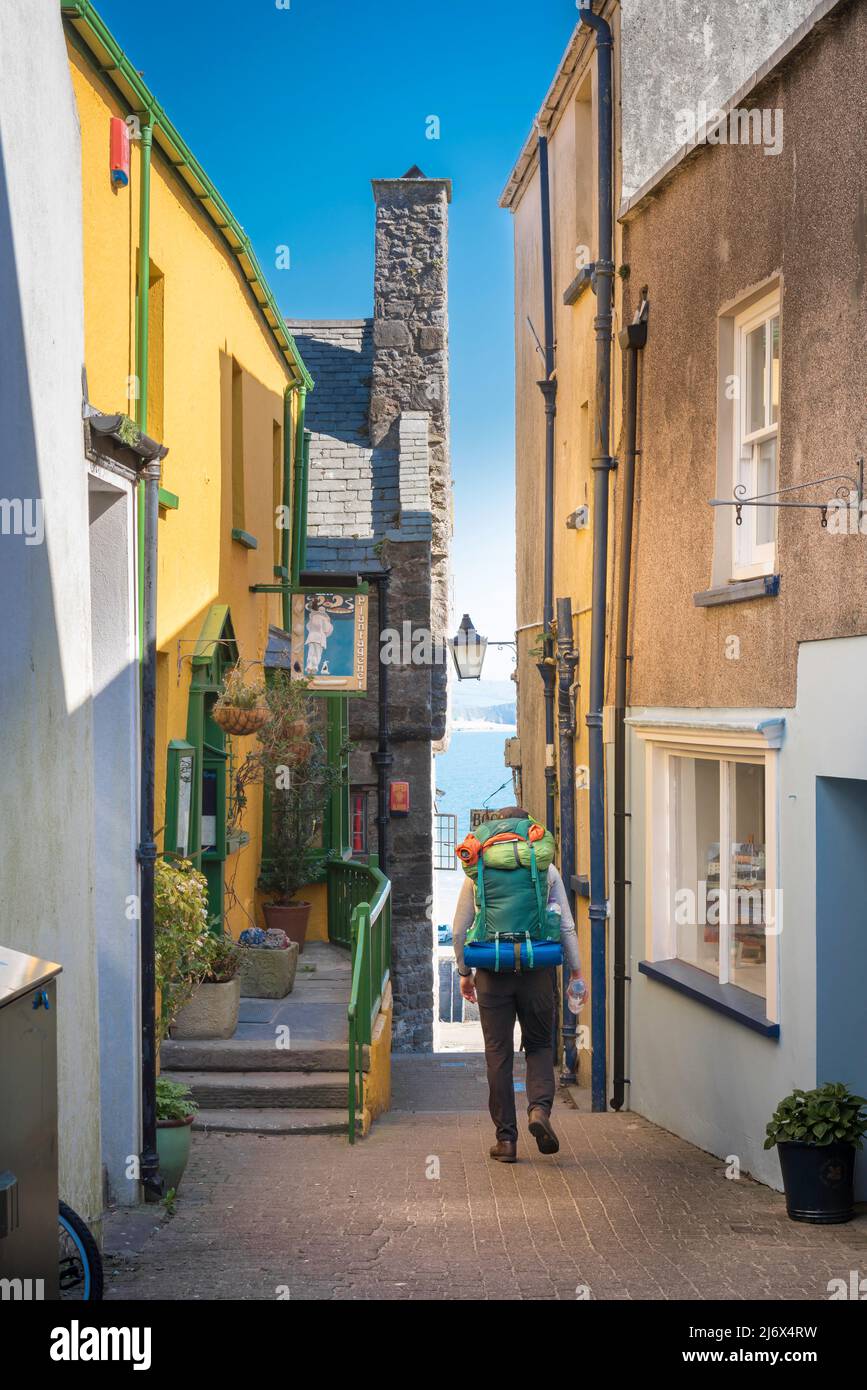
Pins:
x: 211, y: 1013
x: 268, y: 974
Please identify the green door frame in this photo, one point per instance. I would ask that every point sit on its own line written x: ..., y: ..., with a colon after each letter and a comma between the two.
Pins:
x: 215, y: 650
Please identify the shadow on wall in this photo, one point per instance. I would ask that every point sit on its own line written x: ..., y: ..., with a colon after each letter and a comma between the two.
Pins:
x: 46, y: 781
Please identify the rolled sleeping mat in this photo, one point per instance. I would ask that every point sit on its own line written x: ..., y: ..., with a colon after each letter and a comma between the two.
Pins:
x: 482, y: 955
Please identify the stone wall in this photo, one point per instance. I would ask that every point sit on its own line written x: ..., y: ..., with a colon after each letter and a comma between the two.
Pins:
x: 379, y: 498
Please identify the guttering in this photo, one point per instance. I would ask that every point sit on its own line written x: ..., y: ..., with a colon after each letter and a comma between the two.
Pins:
x: 548, y: 387
x: 142, y: 344
x: 114, y: 66
x: 632, y: 340
x: 567, y: 660
x: 602, y: 464
x: 147, y: 850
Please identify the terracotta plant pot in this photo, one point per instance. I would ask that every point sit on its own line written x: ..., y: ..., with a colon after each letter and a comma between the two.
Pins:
x: 239, y: 721
x: 173, y: 1146
x: 211, y: 1013
x: 292, y: 918
x: 268, y: 974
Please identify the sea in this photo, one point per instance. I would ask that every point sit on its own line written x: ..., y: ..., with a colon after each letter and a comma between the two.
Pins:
x: 472, y: 774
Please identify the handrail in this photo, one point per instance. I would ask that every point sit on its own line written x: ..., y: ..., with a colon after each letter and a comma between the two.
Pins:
x: 370, y: 935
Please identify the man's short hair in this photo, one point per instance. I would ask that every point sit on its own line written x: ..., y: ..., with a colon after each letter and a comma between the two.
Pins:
x: 511, y: 813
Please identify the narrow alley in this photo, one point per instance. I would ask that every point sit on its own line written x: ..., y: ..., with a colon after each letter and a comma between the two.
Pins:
x: 417, y: 1211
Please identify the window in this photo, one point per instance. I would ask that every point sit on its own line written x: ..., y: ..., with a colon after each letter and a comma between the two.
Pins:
x: 756, y: 435
x: 712, y: 901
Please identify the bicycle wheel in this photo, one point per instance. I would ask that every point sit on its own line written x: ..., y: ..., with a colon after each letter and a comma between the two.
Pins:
x: 80, y: 1260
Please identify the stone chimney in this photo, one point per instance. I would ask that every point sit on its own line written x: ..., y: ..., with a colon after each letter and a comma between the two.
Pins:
x: 410, y: 376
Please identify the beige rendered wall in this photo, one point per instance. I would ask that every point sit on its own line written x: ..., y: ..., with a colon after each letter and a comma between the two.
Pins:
x: 729, y: 219
x: 572, y: 173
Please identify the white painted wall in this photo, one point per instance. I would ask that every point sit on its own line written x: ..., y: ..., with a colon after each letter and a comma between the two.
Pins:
x: 675, y: 53
x: 46, y: 830
x: 693, y: 1071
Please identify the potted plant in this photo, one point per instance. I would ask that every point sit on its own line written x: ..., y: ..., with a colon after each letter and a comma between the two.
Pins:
x: 181, y: 936
x: 212, y: 1011
x: 817, y: 1134
x: 176, y: 1111
x: 241, y: 707
x: 292, y: 764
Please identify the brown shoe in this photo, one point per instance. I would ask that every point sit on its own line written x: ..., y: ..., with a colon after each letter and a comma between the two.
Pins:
x: 504, y: 1151
x: 542, y: 1132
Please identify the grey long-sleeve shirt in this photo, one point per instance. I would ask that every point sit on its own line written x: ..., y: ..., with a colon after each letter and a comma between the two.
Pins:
x: 466, y: 911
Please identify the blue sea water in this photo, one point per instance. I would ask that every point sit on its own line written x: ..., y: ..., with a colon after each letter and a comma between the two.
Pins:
x: 471, y: 774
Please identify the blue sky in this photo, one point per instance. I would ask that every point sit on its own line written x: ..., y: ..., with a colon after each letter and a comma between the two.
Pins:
x: 293, y: 110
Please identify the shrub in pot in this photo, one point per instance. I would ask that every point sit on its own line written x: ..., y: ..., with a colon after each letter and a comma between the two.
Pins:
x: 176, y: 1111
x: 292, y: 764
x: 241, y: 707
x: 212, y: 1011
x: 817, y: 1134
x: 182, y: 937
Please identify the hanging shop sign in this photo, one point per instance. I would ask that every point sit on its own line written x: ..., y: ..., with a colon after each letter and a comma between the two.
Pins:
x: 329, y: 641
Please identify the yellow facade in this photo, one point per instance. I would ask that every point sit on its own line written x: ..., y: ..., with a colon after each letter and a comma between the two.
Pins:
x: 216, y: 385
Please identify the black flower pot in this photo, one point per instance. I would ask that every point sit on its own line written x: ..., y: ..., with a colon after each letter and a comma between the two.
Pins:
x: 819, y: 1181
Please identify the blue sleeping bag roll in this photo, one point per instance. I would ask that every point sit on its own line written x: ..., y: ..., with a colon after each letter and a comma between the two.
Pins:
x: 536, y: 955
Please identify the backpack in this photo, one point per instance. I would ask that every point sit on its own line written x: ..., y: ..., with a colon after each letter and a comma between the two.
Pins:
x: 513, y: 928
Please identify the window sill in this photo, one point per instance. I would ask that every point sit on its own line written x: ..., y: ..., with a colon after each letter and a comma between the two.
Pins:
x: 765, y: 586
x: 731, y: 1000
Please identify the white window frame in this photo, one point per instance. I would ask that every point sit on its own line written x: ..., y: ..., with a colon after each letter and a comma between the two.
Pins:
x: 749, y: 558
x: 751, y: 745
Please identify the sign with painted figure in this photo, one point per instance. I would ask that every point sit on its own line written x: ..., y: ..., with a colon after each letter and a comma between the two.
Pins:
x: 329, y: 641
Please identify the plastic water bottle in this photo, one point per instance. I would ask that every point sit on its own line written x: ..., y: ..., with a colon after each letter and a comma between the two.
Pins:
x: 576, y: 995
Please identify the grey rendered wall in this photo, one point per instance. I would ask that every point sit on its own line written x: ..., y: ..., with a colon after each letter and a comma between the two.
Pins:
x: 693, y: 1071
x: 46, y: 848
x: 676, y: 53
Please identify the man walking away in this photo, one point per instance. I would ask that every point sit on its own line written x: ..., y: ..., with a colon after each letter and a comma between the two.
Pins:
x: 519, y: 985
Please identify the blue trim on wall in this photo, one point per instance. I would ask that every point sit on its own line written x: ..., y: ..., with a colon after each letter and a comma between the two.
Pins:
x: 736, y: 1003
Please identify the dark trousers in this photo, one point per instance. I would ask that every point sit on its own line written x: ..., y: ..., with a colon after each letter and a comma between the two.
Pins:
x: 529, y: 997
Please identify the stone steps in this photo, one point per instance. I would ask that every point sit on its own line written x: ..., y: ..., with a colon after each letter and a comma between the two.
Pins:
x: 293, y: 1121
x: 256, y: 1090
x: 234, y: 1054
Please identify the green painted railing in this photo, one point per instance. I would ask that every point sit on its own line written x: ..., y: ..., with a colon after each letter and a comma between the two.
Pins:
x: 359, y: 915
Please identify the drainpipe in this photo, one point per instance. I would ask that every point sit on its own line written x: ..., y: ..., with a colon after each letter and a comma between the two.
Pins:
x: 567, y: 659
x: 383, y: 757
x: 603, y: 284
x: 142, y: 347
x: 147, y: 850
x: 631, y: 340
x: 298, y: 498
x: 548, y: 387
x: 305, y: 488
x: 286, y: 501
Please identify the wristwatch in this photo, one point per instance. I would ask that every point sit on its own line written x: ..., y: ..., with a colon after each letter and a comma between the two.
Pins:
x: 464, y: 973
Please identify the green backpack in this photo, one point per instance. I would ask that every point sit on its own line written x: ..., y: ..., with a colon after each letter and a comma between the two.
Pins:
x: 509, y: 871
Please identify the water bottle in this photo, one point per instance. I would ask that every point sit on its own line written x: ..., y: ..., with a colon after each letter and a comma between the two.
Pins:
x: 576, y: 995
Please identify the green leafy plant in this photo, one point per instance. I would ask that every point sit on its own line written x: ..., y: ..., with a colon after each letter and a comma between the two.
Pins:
x: 223, y: 959
x: 239, y: 693
x: 830, y: 1114
x: 174, y: 1101
x: 182, y: 937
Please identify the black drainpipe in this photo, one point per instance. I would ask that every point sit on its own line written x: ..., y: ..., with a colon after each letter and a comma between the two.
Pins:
x: 548, y: 387
x: 383, y: 757
x: 147, y: 850
x: 631, y: 340
x: 567, y: 659
x: 603, y: 285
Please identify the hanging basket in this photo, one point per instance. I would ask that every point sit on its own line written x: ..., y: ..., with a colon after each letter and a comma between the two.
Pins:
x: 240, y: 721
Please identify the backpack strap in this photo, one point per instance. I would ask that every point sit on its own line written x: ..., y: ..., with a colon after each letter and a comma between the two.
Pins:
x: 541, y: 898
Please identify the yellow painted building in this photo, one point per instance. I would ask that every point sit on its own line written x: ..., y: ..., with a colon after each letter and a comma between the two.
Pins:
x: 203, y: 363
